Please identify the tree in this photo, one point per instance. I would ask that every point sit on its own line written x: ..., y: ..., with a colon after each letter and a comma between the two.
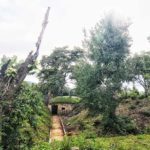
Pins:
x: 101, y: 78
x: 56, y: 68
x: 139, y: 70
x: 11, y: 79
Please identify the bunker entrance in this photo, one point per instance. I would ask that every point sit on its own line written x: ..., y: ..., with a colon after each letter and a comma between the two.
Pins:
x: 54, y: 109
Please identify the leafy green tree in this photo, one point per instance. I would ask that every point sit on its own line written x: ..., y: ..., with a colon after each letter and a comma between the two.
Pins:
x: 56, y: 68
x: 139, y: 70
x: 100, y: 78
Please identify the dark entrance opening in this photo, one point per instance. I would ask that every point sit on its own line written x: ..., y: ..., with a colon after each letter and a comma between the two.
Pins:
x: 54, y: 109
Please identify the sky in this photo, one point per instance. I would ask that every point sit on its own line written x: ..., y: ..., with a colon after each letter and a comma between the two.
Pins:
x: 20, y: 23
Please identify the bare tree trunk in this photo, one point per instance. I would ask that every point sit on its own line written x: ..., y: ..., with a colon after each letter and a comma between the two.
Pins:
x: 10, y: 85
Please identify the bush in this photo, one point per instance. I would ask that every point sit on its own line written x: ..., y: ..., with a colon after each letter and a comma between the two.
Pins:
x: 89, y: 134
x: 28, y: 122
x: 141, y: 96
x: 119, y: 125
x: 42, y: 146
x: 133, y: 94
x: 147, y: 129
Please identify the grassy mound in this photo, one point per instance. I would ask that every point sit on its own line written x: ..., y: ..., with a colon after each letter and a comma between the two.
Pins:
x: 65, y: 99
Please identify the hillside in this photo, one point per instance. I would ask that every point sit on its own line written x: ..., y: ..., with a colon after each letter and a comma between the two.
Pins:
x: 135, y: 112
x: 138, y: 111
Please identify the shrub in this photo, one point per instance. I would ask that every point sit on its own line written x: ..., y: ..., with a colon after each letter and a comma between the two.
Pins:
x: 119, y: 125
x: 28, y: 121
x: 141, y: 96
x: 147, y: 129
x: 66, y: 144
x: 133, y: 94
x: 42, y: 146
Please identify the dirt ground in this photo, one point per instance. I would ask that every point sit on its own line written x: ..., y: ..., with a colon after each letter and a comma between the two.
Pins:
x: 56, y: 132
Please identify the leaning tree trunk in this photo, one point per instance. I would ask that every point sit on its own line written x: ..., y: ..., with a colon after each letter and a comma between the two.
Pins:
x: 146, y: 88
x: 10, y: 85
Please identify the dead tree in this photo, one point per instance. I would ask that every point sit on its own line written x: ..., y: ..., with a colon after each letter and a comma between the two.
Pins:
x: 9, y: 85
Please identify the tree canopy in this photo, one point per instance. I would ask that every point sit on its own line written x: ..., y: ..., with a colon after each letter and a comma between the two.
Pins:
x: 100, y: 78
x: 56, y: 68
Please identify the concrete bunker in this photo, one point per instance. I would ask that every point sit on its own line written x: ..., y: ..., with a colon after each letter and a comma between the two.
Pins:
x: 54, y: 109
x: 61, y: 109
x: 63, y: 105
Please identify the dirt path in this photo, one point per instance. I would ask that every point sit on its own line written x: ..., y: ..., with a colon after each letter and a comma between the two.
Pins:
x: 56, y: 132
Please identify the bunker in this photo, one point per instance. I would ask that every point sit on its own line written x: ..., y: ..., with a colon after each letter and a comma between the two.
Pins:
x: 61, y: 109
x: 63, y: 105
x: 54, y: 109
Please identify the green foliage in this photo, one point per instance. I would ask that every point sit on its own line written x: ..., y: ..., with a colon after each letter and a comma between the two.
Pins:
x: 28, y: 120
x: 85, y: 76
x: 42, y: 146
x: 65, y: 99
x: 133, y: 94
x: 14, y: 65
x: 141, y: 96
x: 100, y: 76
x: 11, y: 71
x: 4, y: 60
x: 120, y: 124
x: 139, y: 70
x: 56, y: 68
x: 84, y: 123
x: 147, y: 129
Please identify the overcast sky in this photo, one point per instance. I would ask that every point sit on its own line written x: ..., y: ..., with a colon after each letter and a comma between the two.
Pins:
x: 20, y: 23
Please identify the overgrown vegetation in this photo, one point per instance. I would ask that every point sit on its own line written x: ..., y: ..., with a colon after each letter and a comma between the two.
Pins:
x: 28, y: 122
x: 100, y: 81
x: 56, y: 69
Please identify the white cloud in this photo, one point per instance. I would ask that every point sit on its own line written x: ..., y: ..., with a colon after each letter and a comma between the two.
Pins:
x: 20, y: 23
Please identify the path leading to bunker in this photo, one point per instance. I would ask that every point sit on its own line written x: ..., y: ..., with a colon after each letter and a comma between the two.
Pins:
x: 56, y: 132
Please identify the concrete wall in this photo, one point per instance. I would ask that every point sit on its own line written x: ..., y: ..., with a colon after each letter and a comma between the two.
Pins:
x: 63, y: 108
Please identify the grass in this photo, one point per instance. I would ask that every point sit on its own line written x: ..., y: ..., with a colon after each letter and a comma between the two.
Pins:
x: 65, y: 99
x: 130, y: 142
x: 139, y: 142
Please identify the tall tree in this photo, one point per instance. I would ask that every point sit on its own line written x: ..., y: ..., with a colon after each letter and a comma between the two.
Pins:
x: 108, y: 46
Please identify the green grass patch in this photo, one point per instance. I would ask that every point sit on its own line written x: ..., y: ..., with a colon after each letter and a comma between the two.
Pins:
x: 130, y: 142
x: 66, y: 99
